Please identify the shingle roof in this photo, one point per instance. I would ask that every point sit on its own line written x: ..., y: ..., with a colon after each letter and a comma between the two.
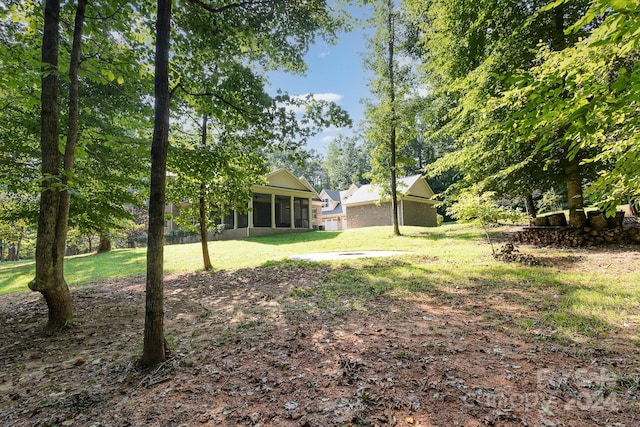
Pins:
x: 334, y: 194
x: 372, y: 193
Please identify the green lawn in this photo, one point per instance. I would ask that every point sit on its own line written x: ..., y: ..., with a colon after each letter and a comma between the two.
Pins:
x: 451, y: 264
x: 451, y: 242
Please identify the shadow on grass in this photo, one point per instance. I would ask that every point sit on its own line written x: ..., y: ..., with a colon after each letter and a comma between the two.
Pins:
x: 292, y: 238
x: 529, y: 300
x: 80, y: 270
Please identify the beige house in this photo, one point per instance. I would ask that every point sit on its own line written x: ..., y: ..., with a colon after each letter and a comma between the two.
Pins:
x: 284, y: 204
x: 367, y: 206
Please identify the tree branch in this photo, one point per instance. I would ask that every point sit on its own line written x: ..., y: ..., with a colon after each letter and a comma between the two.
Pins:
x: 108, y: 17
x: 213, y: 95
x: 207, y: 7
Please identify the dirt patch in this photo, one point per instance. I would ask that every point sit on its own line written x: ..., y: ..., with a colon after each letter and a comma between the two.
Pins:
x: 255, y: 348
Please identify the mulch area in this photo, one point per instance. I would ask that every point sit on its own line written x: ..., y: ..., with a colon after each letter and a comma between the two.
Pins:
x: 256, y: 348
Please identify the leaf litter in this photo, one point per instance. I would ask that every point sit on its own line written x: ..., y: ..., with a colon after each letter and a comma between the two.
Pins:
x: 258, y: 347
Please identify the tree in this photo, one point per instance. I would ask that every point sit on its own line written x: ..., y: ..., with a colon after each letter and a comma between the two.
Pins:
x: 585, y: 93
x: 389, y: 122
x: 49, y: 278
x: 346, y: 162
x: 483, y: 210
x: 260, y: 32
x: 471, y: 53
x: 58, y: 179
x: 154, y: 343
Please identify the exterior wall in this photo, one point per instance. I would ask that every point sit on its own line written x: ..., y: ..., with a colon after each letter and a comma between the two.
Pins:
x: 316, y: 214
x: 369, y: 215
x: 170, y: 210
x: 422, y: 214
x: 241, y: 233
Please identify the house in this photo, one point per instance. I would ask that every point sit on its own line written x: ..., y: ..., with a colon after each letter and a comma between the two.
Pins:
x: 367, y: 206
x: 283, y: 204
x: 334, y: 216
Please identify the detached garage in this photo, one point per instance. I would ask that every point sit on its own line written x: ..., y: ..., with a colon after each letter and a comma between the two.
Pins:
x: 368, y: 206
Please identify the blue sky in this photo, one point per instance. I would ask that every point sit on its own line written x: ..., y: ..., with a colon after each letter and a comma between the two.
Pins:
x: 335, y: 73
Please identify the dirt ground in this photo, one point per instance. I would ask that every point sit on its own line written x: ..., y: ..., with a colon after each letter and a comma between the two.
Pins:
x: 255, y: 348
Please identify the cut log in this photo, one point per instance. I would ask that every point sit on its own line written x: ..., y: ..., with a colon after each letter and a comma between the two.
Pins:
x: 599, y: 222
x: 557, y: 219
x: 541, y: 221
x: 616, y: 220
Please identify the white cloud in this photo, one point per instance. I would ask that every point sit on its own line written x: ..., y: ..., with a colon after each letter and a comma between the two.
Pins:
x: 324, y: 54
x: 327, y: 138
x: 329, y: 97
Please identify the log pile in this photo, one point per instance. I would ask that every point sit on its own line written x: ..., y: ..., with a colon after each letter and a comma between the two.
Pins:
x: 599, y: 230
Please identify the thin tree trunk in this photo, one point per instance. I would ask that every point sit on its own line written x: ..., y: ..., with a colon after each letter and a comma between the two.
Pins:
x: 154, y: 344
x: 1, y: 251
x: 392, y: 136
x: 531, y: 207
x: 72, y: 133
x: 203, y: 208
x: 206, y: 259
x: 49, y: 277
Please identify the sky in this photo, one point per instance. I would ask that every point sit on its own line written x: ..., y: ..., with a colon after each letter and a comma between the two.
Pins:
x: 335, y: 73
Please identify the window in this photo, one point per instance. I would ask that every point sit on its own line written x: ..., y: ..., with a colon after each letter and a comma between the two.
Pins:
x: 283, y: 211
x: 243, y: 220
x: 228, y: 221
x: 325, y: 203
x: 262, y: 210
x: 301, y: 212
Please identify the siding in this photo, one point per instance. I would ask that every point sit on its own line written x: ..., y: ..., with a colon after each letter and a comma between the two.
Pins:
x: 421, y: 214
x: 369, y: 215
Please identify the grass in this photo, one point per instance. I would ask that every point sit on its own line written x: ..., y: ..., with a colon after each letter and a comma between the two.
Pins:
x: 450, y: 265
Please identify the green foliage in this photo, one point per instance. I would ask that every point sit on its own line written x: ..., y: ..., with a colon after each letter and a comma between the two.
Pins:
x: 301, y: 162
x: 346, y: 163
x: 598, y: 79
x: 390, y: 117
x: 482, y: 209
x: 550, y: 201
x: 112, y: 151
x: 471, y: 50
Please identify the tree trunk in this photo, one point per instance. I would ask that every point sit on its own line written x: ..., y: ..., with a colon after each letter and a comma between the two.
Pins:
x: 72, y: 132
x: 531, y: 207
x: 49, y: 277
x: 104, y: 245
x: 203, y: 209
x: 206, y: 259
x: 154, y: 344
x: 392, y: 137
x: 1, y: 251
x: 577, y: 217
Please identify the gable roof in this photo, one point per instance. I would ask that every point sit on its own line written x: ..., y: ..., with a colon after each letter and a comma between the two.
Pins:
x: 414, y: 185
x: 287, y: 183
x: 284, y: 179
x: 333, y: 194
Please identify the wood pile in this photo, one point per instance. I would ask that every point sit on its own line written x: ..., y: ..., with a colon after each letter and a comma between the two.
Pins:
x: 599, y: 230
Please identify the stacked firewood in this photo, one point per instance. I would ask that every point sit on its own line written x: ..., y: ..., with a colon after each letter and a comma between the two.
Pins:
x: 599, y: 230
